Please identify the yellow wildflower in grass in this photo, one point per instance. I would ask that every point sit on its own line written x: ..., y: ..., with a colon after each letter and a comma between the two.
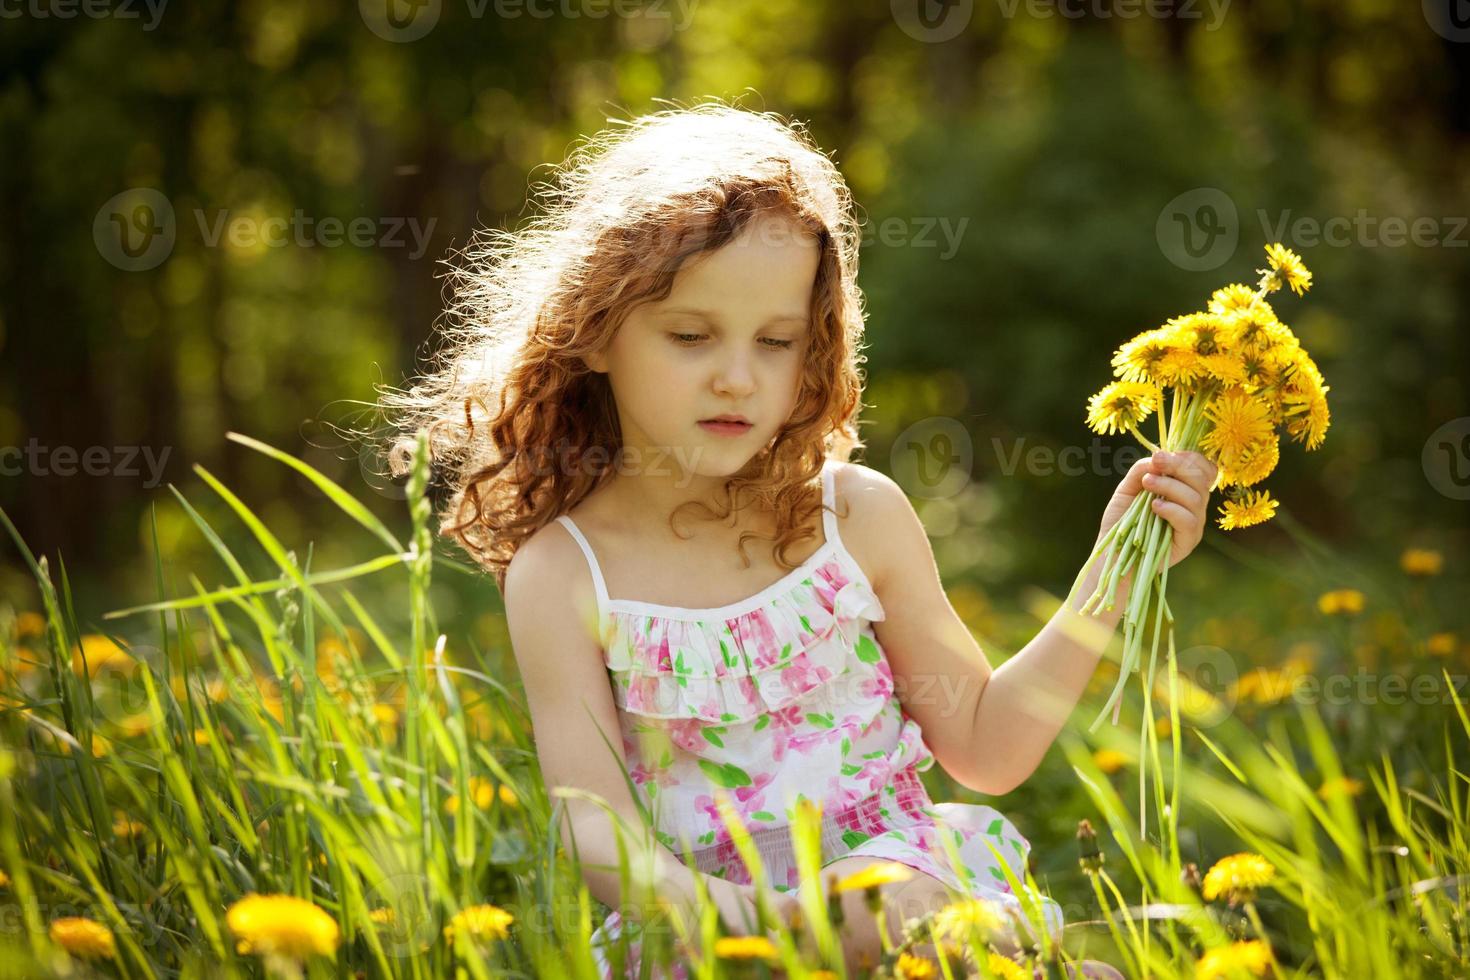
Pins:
x: 1249, y: 955
x: 911, y: 967
x: 201, y: 737
x: 1006, y: 968
x: 83, y: 937
x: 508, y: 795
x: 480, y: 923
x: 282, y: 926
x: 873, y: 876
x: 1121, y: 406
x: 4, y: 880
x: 959, y: 922
x: 126, y: 829
x: 745, y: 948
x: 1341, y: 602
x: 1421, y: 561
x: 29, y: 624
x: 1287, y: 269
x: 94, y: 652
x: 482, y: 791
x: 1343, y: 785
x: 387, y: 718
x: 1441, y: 645
x: 1238, y: 877
x: 1255, y: 507
x: 384, y: 916
x: 1109, y: 760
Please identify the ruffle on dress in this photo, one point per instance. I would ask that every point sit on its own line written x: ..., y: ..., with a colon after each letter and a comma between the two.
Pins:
x: 733, y: 670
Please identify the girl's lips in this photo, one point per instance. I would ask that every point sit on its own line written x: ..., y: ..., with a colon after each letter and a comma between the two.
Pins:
x: 726, y: 428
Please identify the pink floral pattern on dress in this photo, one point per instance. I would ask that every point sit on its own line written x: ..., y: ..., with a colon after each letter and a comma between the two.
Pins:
x: 783, y: 698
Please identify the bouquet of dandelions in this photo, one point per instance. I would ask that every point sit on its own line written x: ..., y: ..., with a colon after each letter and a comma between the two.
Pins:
x: 1237, y: 375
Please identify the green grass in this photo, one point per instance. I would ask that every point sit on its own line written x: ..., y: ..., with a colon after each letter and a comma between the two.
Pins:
x: 277, y: 733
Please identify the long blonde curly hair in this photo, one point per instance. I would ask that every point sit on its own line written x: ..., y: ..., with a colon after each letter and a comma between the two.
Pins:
x: 508, y: 390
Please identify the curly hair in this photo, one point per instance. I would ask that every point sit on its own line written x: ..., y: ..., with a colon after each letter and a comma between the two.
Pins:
x: 509, y: 390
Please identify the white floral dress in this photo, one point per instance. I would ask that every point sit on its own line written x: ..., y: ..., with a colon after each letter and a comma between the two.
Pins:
x: 780, y: 697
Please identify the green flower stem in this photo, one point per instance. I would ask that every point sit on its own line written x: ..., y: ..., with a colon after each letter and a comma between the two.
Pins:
x: 1143, y: 439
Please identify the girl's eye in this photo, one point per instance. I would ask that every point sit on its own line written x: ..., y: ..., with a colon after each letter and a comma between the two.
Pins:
x: 690, y: 339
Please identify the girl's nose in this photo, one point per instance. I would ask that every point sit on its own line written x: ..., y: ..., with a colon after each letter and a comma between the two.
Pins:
x: 736, y: 376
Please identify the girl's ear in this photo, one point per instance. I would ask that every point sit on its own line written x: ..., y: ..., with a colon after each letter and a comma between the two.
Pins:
x: 596, y: 361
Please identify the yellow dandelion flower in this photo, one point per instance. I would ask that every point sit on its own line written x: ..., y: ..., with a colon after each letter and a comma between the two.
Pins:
x: 1236, y: 296
x: 911, y: 967
x: 1343, y: 785
x: 282, y: 926
x: 1006, y: 968
x: 1238, y: 877
x: 201, y: 736
x: 1441, y: 644
x: 482, y: 791
x: 1121, y: 406
x: 1341, y: 602
x: 1249, y: 955
x: 1302, y: 396
x: 1202, y: 333
x: 29, y: 624
x: 1138, y: 359
x: 959, y: 922
x: 1226, y: 367
x: 136, y: 724
x: 508, y: 795
x: 480, y: 922
x: 1256, y: 507
x: 126, y: 829
x: 1109, y: 760
x: 1265, y: 685
x: 83, y: 937
x: 1253, y: 465
x: 1287, y: 269
x: 745, y: 948
x: 1238, y: 421
x: 386, y: 716
x: 873, y: 876
x: 1257, y: 330
x: 1421, y: 561
x: 95, y: 652
x: 384, y: 916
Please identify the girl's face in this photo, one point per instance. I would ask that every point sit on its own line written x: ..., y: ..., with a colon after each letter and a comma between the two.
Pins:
x: 730, y: 339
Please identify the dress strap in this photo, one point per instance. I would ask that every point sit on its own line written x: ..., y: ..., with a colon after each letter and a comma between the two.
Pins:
x: 597, y: 580
x: 829, y: 504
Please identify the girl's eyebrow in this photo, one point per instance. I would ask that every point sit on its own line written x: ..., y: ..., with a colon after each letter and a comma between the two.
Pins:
x: 799, y: 318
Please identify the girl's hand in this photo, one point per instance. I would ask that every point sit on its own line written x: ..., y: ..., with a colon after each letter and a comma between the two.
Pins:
x: 1180, y: 485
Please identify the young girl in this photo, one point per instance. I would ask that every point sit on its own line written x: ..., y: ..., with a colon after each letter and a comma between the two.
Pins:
x: 644, y: 418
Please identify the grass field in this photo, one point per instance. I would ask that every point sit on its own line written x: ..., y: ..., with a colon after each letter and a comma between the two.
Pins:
x: 371, y: 772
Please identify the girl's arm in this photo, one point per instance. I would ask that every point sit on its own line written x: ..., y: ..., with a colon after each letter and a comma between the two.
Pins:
x: 990, y: 729
x: 575, y: 721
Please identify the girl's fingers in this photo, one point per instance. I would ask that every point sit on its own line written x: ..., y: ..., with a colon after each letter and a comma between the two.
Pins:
x: 1171, y: 489
x: 1184, y: 521
x: 1194, y: 469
